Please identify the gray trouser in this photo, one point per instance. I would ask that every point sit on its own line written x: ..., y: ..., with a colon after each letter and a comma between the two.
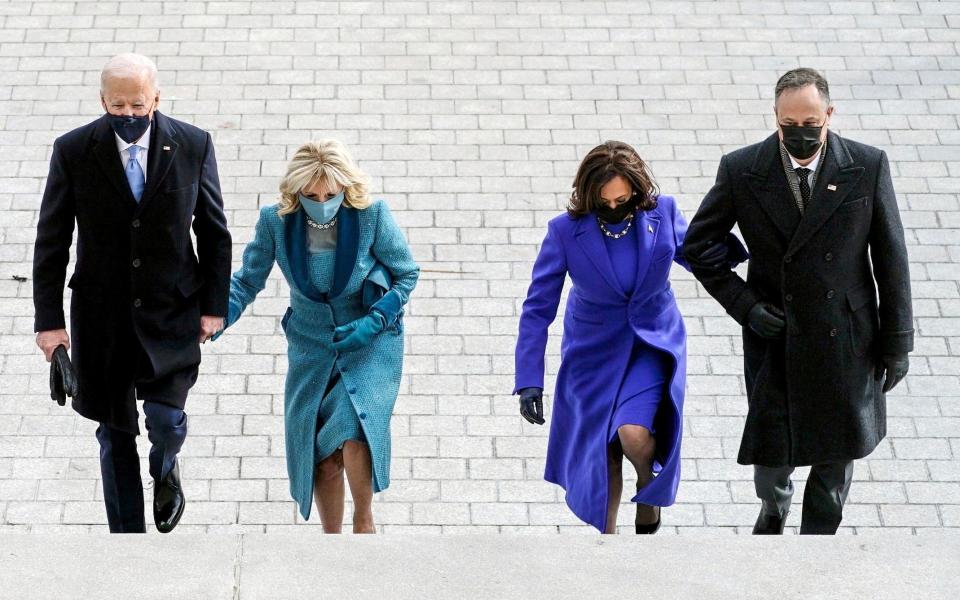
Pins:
x: 826, y: 491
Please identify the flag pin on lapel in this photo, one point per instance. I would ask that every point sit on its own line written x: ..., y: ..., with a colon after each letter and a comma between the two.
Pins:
x: 831, y: 187
x: 166, y: 147
x: 649, y: 227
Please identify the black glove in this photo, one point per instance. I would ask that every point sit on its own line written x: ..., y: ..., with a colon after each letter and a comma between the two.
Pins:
x: 895, y: 367
x: 724, y: 255
x: 63, y: 379
x: 766, y: 320
x: 531, y: 405
x: 715, y: 257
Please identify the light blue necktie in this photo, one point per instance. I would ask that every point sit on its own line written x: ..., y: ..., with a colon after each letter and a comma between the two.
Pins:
x: 135, y: 174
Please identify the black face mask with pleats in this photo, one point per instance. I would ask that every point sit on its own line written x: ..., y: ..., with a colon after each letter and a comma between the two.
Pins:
x: 618, y: 214
x: 801, y: 141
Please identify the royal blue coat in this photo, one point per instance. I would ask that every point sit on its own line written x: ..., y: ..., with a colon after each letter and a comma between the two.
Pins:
x: 600, y: 327
x: 371, y: 374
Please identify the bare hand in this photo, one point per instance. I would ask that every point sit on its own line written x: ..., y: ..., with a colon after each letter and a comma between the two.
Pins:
x: 209, y: 326
x: 49, y: 340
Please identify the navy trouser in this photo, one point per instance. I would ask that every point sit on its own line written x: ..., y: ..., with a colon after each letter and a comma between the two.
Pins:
x: 120, y: 463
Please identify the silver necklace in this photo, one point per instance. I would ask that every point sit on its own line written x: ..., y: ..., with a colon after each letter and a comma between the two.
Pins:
x: 613, y: 235
x: 321, y: 226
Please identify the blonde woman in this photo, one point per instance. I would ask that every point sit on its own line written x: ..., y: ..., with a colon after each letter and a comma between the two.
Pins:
x: 350, y: 273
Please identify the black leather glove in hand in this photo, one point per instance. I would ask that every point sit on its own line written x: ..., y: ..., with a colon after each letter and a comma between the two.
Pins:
x: 715, y: 257
x: 531, y: 405
x: 895, y: 367
x: 63, y: 379
x: 766, y: 320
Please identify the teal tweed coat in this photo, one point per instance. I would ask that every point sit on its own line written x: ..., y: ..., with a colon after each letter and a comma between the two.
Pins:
x: 371, y: 375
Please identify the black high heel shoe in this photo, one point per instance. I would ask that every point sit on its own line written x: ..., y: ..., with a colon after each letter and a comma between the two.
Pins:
x: 647, y: 528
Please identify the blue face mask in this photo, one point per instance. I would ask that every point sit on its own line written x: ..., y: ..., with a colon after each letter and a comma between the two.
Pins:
x: 130, y: 128
x: 322, y: 212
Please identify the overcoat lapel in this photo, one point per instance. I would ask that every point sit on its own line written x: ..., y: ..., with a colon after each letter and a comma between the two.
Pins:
x: 105, y: 150
x: 589, y: 239
x: 295, y: 246
x: 163, y: 150
x: 649, y: 224
x: 771, y: 189
x: 836, y: 180
x: 348, y: 244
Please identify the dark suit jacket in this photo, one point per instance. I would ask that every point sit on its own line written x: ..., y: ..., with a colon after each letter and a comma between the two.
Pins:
x: 812, y: 395
x: 137, y: 276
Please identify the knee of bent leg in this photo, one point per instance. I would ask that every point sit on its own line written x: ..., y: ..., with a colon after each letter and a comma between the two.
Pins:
x: 330, y: 467
x: 638, y: 443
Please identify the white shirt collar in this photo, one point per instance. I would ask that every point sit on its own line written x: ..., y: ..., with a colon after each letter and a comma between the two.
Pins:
x: 143, y: 142
x: 813, y: 163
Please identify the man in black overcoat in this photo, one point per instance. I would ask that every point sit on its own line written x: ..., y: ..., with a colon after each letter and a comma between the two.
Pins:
x: 825, y: 309
x: 133, y: 183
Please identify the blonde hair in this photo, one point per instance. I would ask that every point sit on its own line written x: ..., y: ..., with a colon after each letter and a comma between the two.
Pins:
x: 327, y: 162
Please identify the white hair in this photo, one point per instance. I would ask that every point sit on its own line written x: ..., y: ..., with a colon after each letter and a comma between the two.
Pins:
x: 129, y: 65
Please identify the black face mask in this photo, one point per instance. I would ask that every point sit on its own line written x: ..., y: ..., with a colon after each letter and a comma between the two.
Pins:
x: 618, y: 214
x: 801, y: 141
x: 129, y: 128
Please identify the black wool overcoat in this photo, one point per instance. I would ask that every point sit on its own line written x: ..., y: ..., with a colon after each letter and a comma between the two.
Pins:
x: 138, y: 279
x: 839, y: 272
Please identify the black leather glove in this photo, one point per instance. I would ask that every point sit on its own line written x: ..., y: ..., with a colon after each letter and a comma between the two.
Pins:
x: 63, y: 379
x: 531, y: 405
x: 895, y: 367
x: 766, y: 320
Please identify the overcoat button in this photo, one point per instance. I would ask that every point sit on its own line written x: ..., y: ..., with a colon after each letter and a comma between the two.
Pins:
x: 788, y: 259
x: 788, y: 297
x: 828, y: 257
x: 136, y: 263
x: 136, y: 223
x: 831, y: 294
x: 833, y: 333
x: 137, y: 303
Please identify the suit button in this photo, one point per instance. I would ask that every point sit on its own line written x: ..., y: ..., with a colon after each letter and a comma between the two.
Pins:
x: 833, y: 333
x: 831, y: 294
x: 788, y: 297
x: 137, y: 303
x: 136, y: 224
x: 788, y: 259
x: 828, y: 256
x: 136, y: 263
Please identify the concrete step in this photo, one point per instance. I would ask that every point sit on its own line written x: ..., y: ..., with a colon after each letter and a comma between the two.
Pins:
x: 307, y: 565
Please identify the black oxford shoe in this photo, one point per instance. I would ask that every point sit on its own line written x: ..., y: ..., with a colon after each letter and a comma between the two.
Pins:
x: 168, y: 500
x: 768, y: 524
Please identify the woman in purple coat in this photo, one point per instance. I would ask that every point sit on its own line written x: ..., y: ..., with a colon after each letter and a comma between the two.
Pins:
x: 623, y: 355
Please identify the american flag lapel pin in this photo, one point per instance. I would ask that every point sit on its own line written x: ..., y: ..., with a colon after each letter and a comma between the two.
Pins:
x: 831, y: 187
x: 166, y: 148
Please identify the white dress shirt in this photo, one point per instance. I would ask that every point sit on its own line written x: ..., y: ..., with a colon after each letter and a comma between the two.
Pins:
x: 143, y: 142
x: 812, y: 166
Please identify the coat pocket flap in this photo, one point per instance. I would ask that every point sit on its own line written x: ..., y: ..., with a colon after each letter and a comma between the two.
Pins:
x: 189, y: 285
x: 859, y: 296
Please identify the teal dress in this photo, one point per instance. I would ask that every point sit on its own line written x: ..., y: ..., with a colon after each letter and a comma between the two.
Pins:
x: 329, y: 394
x: 337, y: 422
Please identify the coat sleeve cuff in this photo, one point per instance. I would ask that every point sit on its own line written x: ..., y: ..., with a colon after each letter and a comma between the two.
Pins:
x: 896, y: 342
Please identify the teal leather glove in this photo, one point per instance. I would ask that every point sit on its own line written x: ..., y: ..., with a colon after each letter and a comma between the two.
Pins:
x: 357, y: 334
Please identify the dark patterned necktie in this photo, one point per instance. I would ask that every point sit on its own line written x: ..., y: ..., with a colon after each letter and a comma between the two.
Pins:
x: 803, y: 175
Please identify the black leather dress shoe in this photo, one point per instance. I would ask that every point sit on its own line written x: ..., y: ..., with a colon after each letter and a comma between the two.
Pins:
x: 168, y: 500
x: 768, y: 524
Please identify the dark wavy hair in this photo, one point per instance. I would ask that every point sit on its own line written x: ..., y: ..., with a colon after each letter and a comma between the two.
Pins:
x: 602, y: 164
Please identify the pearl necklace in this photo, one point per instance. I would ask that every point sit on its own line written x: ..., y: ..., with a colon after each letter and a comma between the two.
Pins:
x: 613, y: 235
x: 321, y: 226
